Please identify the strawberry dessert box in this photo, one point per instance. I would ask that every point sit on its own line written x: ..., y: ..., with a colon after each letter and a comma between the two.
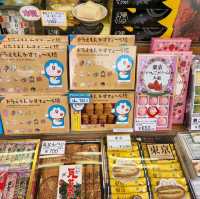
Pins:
x: 154, y: 92
x: 173, y: 44
x: 181, y: 84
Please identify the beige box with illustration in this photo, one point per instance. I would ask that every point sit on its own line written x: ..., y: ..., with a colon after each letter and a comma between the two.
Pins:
x: 96, y: 111
x: 102, y: 67
x: 34, y: 114
x: 31, y: 71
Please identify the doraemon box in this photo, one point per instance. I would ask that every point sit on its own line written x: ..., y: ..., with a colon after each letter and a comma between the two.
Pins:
x: 97, y: 111
x: 102, y: 67
x: 34, y: 114
x: 27, y: 71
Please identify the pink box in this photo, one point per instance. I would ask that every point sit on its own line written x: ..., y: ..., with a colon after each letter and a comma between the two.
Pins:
x: 173, y: 44
x: 156, y: 75
x: 183, y: 71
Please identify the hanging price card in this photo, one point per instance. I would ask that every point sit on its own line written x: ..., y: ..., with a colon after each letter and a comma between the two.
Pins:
x: 53, y: 18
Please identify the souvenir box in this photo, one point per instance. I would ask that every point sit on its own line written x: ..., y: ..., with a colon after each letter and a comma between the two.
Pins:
x: 14, y: 21
x: 181, y: 85
x: 149, y: 169
x: 172, y: 44
x: 154, y: 91
x: 144, y: 17
x: 18, y: 161
x: 102, y: 40
x: 97, y: 111
x: 102, y: 67
x: 193, y: 103
x: 142, y: 33
x: 146, y: 4
x: 34, y: 114
x: 30, y: 71
x: 85, y: 159
x: 34, y: 38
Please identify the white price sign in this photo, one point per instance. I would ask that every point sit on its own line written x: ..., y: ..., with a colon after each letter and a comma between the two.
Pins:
x: 145, y: 124
x: 53, y: 148
x: 54, y: 18
x: 195, y: 123
x: 118, y: 142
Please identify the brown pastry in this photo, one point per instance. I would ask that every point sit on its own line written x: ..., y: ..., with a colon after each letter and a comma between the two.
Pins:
x: 89, y: 191
x: 98, y: 109
x: 97, y: 194
x: 89, y: 175
x: 170, y: 192
x: 110, y: 119
x: 73, y: 148
x: 93, y: 119
x: 102, y: 119
x: 90, y: 148
x: 107, y: 108
x: 85, y: 119
x: 89, y: 109
x: 96, y: 175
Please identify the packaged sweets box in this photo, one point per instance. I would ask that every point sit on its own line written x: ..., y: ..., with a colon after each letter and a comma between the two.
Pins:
x: 193, y: 103
x: 142, y: 33
x: 146, y: 4
x: 102, y: 67
x: 18, y: 160
x: 149, y: 169
x: 30, y: 71
x: 84, y: 159
x: 156, y: 76
x: 144, y: 17
x: 102, y: 40
x: 22, y: 114
x: 97, y: 111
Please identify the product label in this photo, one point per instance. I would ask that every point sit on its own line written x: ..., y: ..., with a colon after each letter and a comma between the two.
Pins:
x: 145, y: 124
x: 53, y: 148
x: 119, y: 142
x: 195, y: 123
x: 53, y: 18
x: 30, y: 13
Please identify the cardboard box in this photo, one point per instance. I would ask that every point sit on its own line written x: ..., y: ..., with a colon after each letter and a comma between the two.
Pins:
x: 102, y: 68
x: 97, y: 111
x: 102, y: 40
x: 34, y: 114
x: 31, y: 71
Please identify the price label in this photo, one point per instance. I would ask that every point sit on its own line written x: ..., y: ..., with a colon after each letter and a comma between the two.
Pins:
x: 145, y: 124
x: 53, y: 148
x: 119, y: 142
x: 54, y: 18
x: 195, y: 124
x: 30, y: 13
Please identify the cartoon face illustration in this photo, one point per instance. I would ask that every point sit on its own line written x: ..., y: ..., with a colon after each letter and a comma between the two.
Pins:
x: 53, y: 71
x: 122, y: 109
x: 56, y: 114
x: 124, y: 66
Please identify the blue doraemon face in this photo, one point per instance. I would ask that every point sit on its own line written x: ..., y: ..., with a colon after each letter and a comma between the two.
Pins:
x: 122, y: 109
x: 53, y: 71
x: 124, y: 65
x: 56, y: 114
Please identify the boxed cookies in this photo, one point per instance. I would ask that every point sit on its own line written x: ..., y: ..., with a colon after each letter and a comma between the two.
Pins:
x: 83, y: 159
x: 102, y: 40
x: 18, y: 160
x: 102, y: 68
x: 31, y: 71
x: 97, y: 111
x: 154, y: 91
x: 23, y: 114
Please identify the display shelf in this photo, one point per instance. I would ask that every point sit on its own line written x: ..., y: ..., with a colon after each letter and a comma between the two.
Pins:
x: 96, y: 135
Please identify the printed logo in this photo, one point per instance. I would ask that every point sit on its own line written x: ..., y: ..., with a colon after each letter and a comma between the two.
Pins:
x: 53, y: 71
x: 124, y: 65
x: 56, y: 114
x: 122, y: 109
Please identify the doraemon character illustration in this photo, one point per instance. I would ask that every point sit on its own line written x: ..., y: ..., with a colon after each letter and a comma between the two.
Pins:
x: 56, y: 114
x: 124, y: 65
x: 53, y: 70
x: 121, y: 110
